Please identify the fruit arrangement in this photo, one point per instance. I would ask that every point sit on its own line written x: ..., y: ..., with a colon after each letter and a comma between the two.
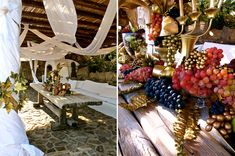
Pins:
x: 139, y: 75
x: 205, y: 81
x: 54, y: 85
x: 161, y: 90
x: 195, y: 58
x: 134, y: 42
x: 172, y: 43
x: 156, y: 26
x: 222, y: 122
x: 61, y: 89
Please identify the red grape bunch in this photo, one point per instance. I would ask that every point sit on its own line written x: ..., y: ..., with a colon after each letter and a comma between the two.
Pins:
x: 139, y: 75
x: 156, y: 26
x: 208, y: 80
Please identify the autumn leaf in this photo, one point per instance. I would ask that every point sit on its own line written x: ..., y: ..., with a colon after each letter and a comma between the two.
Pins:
x: 9, y: 107
x: 19, y: 87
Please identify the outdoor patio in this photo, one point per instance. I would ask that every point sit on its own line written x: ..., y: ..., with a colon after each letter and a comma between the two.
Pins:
x: 95, y: 134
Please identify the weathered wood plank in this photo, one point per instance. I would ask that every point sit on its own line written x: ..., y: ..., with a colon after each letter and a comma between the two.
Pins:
x: 156, y: 130
x: 203, y: 145
x: 53, y: 108
x: 132, y: 139
x: 77, y: 100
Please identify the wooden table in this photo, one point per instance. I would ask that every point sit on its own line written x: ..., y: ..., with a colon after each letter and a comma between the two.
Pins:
x: 59, y: 104
x: 148, y: 131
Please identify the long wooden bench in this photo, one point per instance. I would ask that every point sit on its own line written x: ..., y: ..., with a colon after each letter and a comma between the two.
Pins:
x: 156, y: 128
x: 59, y: 104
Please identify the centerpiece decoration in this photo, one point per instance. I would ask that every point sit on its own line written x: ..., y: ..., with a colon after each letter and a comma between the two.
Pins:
x: 54, y: 85
x: 195, y: 82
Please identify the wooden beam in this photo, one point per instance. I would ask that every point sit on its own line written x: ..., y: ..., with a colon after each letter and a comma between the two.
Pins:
x: 81, y: 24
x: 79, y: 5
x: 80, y: 15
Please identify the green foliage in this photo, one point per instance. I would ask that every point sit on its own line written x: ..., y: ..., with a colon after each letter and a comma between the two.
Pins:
x: 223, y: 18
x: 102, y: 63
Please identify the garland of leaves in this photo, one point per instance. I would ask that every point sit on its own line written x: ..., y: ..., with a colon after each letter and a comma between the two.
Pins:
x: 15, y: 84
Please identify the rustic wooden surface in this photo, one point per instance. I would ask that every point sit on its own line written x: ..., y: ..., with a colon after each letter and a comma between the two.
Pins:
x: 132, y: 139
x: 203, y: 145
x: 156, y: 123
x: 77, y: 100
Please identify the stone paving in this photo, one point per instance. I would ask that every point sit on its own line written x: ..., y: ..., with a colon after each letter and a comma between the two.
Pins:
x: 94, y: 136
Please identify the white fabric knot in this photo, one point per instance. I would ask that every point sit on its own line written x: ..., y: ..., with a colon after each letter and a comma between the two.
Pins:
x: 4, y: 11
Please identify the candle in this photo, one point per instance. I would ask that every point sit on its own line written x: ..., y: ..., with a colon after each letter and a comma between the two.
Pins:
x: 181, y: 5
x: 194, y: 7
x: 220, y: 3
x: 212, y: 3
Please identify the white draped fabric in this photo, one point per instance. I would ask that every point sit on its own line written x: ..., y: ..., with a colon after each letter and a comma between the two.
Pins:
x: 52, y: 49
x: 13, y: 139
x: 63, y: 24
x: 63, y: 19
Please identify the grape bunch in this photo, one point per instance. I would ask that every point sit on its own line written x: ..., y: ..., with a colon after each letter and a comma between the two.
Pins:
x: 214, y: 56
x: 196, y: 82
x: 222, y: 122
x: 211, y: 79
x: 225, y: 87
x: 201, y: 82
x: 128, y: 71
x: 125, y: 67
x: 139, y: 75
x: 217, y: 108
x: 195, y: 59
x: 161, y: 90
x: 156, y: 26
x: 173, y: 43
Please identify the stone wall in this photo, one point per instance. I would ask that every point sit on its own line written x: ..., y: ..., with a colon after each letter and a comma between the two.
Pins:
x: 104, y: 77
x: 82, y: 74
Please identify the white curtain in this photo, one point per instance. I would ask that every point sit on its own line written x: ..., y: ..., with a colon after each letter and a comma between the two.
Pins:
x: 13, y: 139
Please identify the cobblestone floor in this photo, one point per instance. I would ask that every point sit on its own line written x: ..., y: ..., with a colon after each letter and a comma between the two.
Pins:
x: 95, y: 134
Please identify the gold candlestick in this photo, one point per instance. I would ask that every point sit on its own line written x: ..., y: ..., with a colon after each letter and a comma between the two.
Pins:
x: 181, y: 6
x: 189, y: 39
x: 212, y: 3
x: 194, y: 7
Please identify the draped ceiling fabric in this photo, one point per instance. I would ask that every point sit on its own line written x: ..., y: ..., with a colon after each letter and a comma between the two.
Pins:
x: 63, y: 19
x: 64, y: 24
x: 13, y: 139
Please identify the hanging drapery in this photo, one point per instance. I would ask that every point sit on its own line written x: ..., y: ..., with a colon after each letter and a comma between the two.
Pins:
x: 13, y: 139
x: 36, y: 52
x: 9, y: 35
x: 63, y: 19
x: 64, y: 24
